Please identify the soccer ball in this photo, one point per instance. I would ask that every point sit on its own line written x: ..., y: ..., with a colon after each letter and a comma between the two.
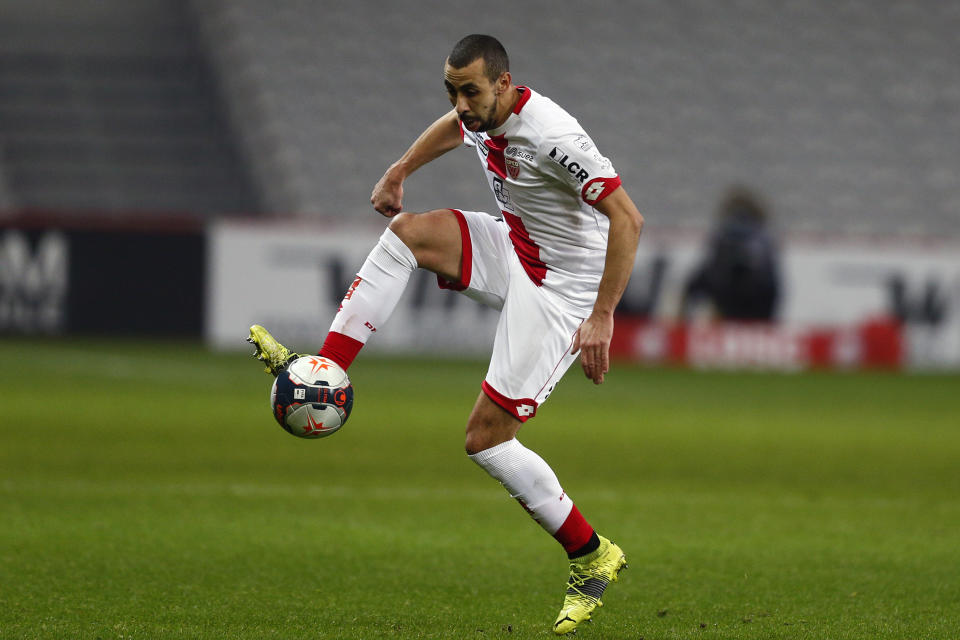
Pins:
x: 312, y: 398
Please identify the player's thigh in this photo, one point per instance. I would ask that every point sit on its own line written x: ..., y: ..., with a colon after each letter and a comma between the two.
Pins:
x: 532, y: 348
x: 434, y: 238
x: 485, y: 255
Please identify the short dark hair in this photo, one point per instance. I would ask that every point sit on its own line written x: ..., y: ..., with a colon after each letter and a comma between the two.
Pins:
x: 475, y: 45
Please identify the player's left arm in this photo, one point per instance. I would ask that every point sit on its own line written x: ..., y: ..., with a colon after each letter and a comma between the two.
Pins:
x: 594, y: 336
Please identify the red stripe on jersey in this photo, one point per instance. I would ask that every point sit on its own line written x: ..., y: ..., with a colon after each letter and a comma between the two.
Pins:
x: 496, y: 161
x: 524, y: 98
x: 527, y: 250
x: 522, y: 409
x: 598, y: 189
x: 574, y: 532
x: 466, y: 259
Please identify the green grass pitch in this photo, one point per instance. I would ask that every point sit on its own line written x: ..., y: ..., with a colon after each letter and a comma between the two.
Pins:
x: 145, y: 492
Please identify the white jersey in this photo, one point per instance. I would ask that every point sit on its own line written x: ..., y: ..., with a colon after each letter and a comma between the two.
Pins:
x: 547, y: 175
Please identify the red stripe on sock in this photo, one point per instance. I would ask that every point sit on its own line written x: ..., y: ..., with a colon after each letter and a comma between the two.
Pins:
x: 574, y: 532
x: 341, y: 349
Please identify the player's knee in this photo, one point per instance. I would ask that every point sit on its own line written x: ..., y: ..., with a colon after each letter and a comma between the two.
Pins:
x: 412, y: 228
x: 434, y: 239
x: 474, y: 448
x: 420, y: 229
x: 473, y: 445
x: 476, y: 440
x: 404, y: 226
x: 481, y: 437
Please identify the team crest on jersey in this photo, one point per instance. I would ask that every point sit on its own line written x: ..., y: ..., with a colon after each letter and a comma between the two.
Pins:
x: 513, y: 167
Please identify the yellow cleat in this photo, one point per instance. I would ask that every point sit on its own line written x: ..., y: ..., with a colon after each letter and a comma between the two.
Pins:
x: 589, y: 577
x: 267, y: 350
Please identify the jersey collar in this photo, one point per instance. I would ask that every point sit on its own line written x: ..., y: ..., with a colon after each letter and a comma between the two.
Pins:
x: 525, y: 95
x: 524, y: 98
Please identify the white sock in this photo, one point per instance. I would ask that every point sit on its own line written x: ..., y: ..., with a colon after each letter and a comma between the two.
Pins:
x: 535, y: 486
x: 376, y: 291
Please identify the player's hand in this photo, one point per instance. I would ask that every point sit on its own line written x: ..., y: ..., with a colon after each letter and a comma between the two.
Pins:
x: 387, y: 196
x: 593, y: 341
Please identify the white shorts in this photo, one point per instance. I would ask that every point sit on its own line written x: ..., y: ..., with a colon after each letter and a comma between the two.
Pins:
x: 534, y: 339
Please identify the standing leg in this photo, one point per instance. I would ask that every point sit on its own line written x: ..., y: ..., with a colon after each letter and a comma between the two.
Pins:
x: 595, y: 562
x: 532, y: 350
x: 492, y: 444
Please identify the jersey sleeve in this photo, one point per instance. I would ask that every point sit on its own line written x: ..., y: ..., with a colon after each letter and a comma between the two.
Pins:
x: 573, y: 159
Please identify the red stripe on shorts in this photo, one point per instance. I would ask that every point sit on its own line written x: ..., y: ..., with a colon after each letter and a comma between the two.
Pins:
x: 522, y: 409
x: 466, y: 259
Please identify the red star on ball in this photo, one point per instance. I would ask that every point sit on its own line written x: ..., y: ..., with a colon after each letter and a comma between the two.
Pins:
x: 318, y: 365
x: 312, y: 426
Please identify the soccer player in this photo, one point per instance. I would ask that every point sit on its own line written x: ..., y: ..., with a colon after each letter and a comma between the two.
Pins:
x: 554, y: 259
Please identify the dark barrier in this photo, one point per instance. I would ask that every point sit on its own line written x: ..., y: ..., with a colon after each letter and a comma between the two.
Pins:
x: 102, y: 277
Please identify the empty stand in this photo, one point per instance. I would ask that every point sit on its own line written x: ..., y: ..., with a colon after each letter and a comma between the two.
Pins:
x: 111, y: 106
x: 846, y: 115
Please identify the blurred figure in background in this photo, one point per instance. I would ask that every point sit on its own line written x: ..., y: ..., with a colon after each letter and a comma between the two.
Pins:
x: 739, y: 277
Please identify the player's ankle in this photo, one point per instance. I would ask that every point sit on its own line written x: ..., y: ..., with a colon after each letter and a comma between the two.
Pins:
x: 340, y: 348
x: 591, y: 545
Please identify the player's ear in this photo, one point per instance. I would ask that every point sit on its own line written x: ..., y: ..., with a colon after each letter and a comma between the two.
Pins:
x: 504, y: 82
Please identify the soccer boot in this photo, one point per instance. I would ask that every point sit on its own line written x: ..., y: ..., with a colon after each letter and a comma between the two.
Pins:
x: 267, y: 350
x: 589, y: 577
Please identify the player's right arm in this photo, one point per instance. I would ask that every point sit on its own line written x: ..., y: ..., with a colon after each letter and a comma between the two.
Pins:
x: 440, y: 137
